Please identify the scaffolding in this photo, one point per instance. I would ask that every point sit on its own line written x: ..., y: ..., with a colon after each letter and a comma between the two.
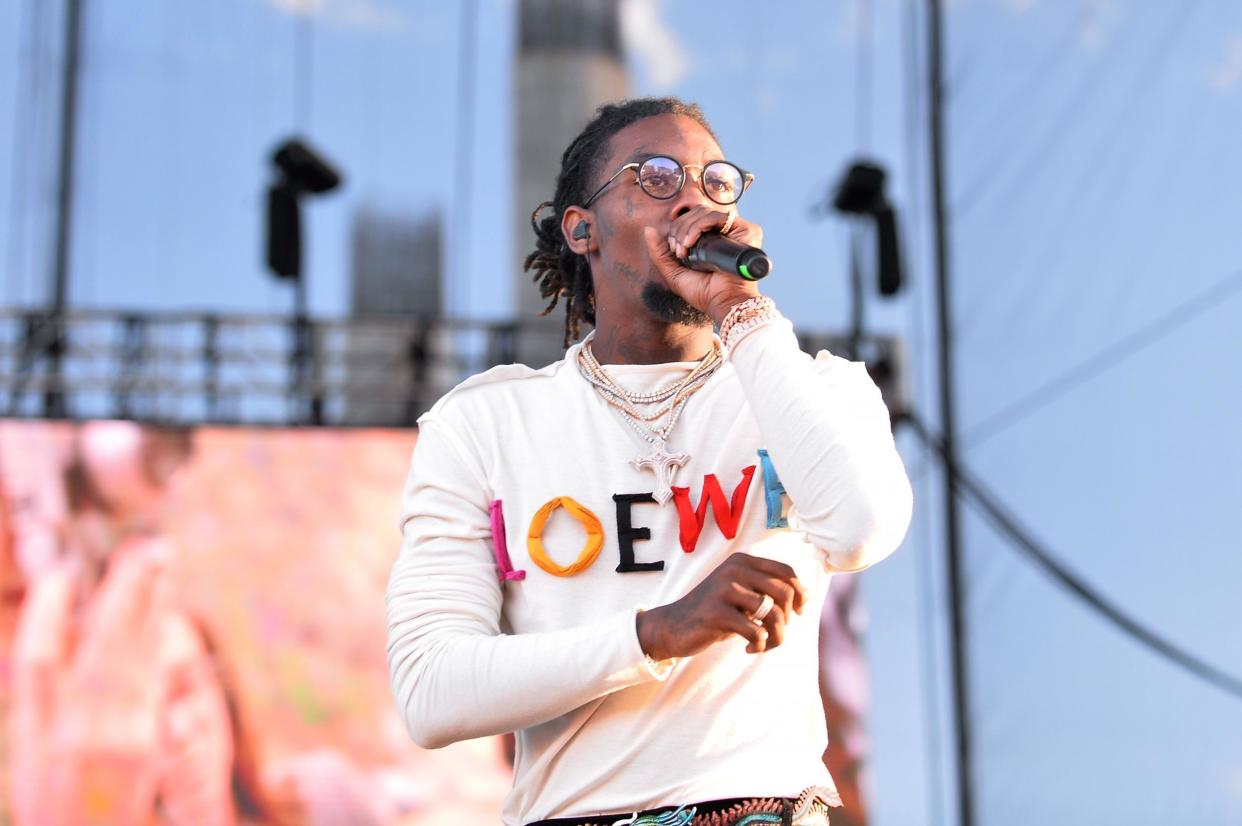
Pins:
x: 205, y: 368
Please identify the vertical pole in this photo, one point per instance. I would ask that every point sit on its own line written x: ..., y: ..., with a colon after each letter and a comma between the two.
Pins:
x: 858, y: 307
x: 211, y: 367
x: 454, y: 303
x: 54, y: 333
x: 305, y: 359
x: 956, y: 591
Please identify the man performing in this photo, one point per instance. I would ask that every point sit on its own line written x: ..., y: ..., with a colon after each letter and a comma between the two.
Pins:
x: 621, y: 556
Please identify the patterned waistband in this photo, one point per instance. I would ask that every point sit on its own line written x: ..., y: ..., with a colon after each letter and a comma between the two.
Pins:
x: 808, y: 809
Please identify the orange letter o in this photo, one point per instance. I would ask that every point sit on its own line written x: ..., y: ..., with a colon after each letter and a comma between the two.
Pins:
x: 589, y: 521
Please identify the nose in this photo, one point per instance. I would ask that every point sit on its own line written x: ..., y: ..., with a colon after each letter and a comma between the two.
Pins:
x: 691, y: 194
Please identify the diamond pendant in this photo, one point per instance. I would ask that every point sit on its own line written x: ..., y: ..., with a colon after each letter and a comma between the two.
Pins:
x: 661, y: 463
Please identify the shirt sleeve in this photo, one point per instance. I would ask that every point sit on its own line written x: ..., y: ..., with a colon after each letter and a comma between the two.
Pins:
x: 827, y: 431
x: 454, y: 675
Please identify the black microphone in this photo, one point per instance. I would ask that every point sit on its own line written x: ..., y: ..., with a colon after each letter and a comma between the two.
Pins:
x: 715, y: 252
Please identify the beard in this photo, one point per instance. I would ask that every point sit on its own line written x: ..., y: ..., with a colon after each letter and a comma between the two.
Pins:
x: 667, y: 305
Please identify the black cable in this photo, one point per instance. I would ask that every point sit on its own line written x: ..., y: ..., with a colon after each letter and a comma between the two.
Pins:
x: 1111, y: 355
x: 1022, y: 539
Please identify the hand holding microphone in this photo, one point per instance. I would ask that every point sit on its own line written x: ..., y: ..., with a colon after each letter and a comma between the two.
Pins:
x: 703, y: 244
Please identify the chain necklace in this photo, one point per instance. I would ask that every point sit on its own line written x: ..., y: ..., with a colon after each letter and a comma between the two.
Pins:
x: 660, y: 462
x: 587, y: 357
x: 631, y: 412
x: 628, y: 401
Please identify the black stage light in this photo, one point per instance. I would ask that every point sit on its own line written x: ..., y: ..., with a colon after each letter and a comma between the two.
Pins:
x: 299, y: 171
x: 861, y: 189
x: 303, y: 169
x: 284, y: 231
x: 861, y: 192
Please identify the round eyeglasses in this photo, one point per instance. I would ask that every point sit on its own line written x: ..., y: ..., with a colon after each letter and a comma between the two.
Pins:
x: 662, y: 177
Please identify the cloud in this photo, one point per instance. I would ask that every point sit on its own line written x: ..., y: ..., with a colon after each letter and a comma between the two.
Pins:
x: 361, y: 14
x: 1227, y: 74
x: 654, y: 44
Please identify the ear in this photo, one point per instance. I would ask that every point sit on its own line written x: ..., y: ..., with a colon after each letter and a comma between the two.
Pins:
x: 576, y: 224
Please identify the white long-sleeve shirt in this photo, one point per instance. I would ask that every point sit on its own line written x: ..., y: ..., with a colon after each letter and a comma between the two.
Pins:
x: 476, y: 647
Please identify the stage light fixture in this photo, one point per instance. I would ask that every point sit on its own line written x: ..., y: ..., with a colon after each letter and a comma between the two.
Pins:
x: 304, y: 169
x: 299, y: 170
x: 861, y: 192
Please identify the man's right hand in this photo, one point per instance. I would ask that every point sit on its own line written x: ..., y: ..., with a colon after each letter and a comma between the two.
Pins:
x: 719, y: 608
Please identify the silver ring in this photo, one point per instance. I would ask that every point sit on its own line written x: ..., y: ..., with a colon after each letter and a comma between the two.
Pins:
x: 728, y: 224
x: 765, y: 606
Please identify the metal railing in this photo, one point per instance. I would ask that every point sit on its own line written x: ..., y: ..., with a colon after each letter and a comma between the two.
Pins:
x: 203, y: 368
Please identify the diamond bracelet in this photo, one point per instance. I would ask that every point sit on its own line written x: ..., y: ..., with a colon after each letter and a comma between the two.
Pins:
x: 746, y: 317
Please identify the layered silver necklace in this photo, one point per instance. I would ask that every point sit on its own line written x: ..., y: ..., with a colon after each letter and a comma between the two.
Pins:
x: 660, y: 462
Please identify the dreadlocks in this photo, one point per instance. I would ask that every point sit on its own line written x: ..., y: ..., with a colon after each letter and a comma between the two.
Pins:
x: 558, y: 270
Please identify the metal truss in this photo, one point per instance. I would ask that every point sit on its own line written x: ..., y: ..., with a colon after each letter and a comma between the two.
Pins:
x: 202, y: 368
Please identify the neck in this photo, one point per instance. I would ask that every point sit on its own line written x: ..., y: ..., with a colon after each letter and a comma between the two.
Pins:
x: 647, y: 340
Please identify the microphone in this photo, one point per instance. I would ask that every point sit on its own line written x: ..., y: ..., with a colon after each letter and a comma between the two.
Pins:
x: 715, y: 252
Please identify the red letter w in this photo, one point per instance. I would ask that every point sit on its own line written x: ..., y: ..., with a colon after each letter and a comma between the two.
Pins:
x: 728, y: 514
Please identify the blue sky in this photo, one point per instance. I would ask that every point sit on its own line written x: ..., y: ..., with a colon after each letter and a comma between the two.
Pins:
x: 1094, y: 179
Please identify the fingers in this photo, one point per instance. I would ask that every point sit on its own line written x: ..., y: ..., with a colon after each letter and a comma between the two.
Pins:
x: 660, y: 252
x: 771, y: 569
x: 721, y: 606
x: 756, y: 577
x: 686, y: 229
x: 747, y: 603
x: 773, y: 621
x: 755, y: 634
x: 783, y: 593
x: 685, y: 282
